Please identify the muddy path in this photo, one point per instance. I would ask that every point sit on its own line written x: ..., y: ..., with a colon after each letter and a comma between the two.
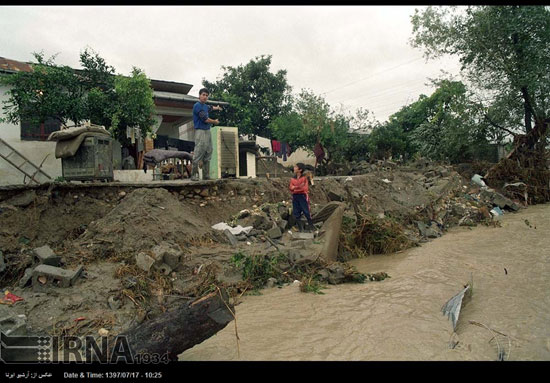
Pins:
x: 400, y: 318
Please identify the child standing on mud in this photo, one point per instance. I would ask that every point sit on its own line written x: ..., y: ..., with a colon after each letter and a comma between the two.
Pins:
x: 299, y: 186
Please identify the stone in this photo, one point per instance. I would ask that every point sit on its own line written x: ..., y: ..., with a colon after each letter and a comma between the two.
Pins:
x: 260, y: 222
x: 204, y: 193
x: 2, y: 263
x: 282, y: 224
x: 301, y: 235
x: 301, y: 244
x: 243, y: 213
x: 164, y: 268
x: 253, y: 233
x: 26, y: 279
x: 11, y: 324
x: 168, y: 253
x: 274, y: 233
x: 271, y: 283
x: 22, y: 200
x: 325, y: 212
x: 283, y: 212
x: 103, y: 332
x: 241, y: 237
x: 172, y: 259
x: 144, y: 261
x: 332, y: 196
x: 45, y: 256
x: 336, y: 274
x: 46, y: 275
x: 232, y: 239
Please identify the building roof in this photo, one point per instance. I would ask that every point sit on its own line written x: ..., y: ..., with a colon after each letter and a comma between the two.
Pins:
x: 163, y: 89
x: 12, y: 66
x: 183, y: 97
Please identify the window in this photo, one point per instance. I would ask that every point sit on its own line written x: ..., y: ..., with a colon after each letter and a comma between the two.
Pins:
x: 39, y: 132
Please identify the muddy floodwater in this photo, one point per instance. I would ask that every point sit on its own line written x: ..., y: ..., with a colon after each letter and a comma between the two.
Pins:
x: 400, y: 318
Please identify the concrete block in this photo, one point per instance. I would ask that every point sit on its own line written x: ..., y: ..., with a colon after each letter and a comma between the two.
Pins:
x: 144, y: 261
x: 13, y: 324
x: 45, y: 276
x: 302, y: 235
x: 232, y: 239
x: 274, y: 232
x: 45, y: 256
x: 164, y: 268
x: 26, y: 279
x: 172, y: 258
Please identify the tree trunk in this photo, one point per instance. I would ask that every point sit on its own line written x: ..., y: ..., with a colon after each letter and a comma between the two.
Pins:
x: 183, y: 327
x: 527, y: 107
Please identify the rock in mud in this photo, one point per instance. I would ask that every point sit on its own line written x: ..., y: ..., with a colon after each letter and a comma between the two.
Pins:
x: 144, y: 261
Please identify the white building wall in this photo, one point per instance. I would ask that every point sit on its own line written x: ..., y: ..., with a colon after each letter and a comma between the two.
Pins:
x: 34, y: 151
x: 299, y: 155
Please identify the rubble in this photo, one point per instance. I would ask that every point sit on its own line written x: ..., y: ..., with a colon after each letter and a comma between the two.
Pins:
x: 45, y: 256
x: 45, y: 276
x: 175, y: 250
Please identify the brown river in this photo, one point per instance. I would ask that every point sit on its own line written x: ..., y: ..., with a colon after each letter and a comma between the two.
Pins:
x: 400, y: 318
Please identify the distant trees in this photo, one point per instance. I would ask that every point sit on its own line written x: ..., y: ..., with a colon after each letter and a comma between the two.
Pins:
x: 94, y: 93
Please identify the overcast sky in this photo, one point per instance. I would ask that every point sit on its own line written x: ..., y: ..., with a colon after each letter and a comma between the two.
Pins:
x: 355, y: 56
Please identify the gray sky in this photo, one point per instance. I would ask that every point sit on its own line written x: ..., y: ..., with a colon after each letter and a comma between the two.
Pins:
x: 355, y: 56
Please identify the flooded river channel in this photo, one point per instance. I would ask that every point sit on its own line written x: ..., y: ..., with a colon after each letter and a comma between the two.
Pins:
x: 400, y: 318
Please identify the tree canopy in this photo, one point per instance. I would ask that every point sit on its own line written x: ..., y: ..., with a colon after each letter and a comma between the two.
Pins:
x: 504, y: 50
x: 255, y: 94
x: 94, y: 93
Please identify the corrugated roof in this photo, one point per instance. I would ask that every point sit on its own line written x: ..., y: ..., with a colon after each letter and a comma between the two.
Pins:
x: 13, y: 66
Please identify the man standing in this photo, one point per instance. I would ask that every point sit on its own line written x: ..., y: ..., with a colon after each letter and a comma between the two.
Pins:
x: 203, y: 140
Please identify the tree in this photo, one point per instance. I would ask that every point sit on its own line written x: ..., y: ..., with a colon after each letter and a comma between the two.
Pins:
x: 313, y: 121
x: 256, y: 96
x: 504, y: 50
x: 453, y: 129
x: 49, y: 91
x: 93, y: 93
x: 134, y: 104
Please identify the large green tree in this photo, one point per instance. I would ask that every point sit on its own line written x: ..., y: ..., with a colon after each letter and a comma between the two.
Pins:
x: 255, y: 94
x: 504, y: 50
x: 93, y: 93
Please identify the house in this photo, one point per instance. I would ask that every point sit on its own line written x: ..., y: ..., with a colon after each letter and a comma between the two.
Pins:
x: 173, y: 110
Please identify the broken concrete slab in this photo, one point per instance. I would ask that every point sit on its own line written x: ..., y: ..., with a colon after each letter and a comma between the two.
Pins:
x: 332, y: 196
x: 11, y: 324
x: 144, y: 261
x: 232, y: 239
x: 26, y: 279
x: 45, y: 276
x: 282, y: 224
x: 331, y: 229
x: 325, y: 212
x: 274, y: 233
x: 163, y: 268
x: 44, y: 255
x: 301, y: 235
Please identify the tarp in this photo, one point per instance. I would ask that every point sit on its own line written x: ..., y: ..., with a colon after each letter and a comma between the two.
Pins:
x: 68, y: 148
x: 70, y: 133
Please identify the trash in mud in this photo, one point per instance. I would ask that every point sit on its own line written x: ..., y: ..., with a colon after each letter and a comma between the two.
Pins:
x: 9, y: 298
x: 454, y: 305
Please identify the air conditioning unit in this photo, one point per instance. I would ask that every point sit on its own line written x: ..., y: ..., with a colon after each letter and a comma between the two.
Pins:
x: 225, y: 152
